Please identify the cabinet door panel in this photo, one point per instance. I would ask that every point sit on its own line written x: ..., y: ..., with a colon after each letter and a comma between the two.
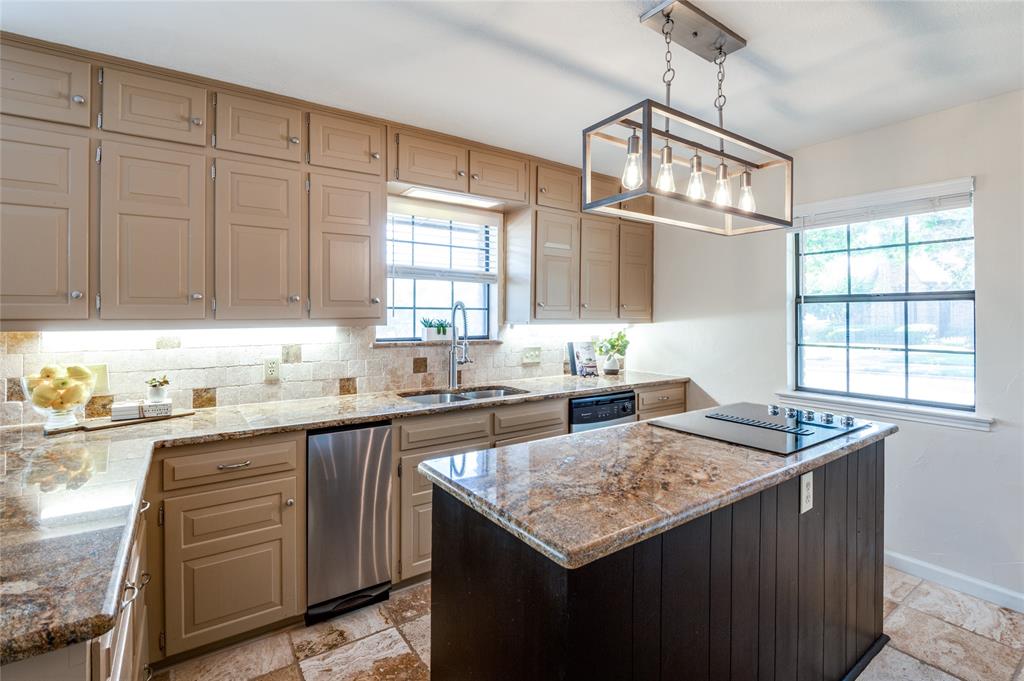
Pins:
x: 601, y: 186
x: 557, y: 266
x: 558, y: 188
x: 261, y: 128
x: 346, y: 144
x: 643, y: 204
x: 44, y: 224
x: 346, y: 248
x: 259, y: 241
x: 44, y: 86
x: 599, y: 269
x: 152, y: 233
x: 432, y: 163
x: 636, y: 271
x: 153, y: 107
x: 503, y: 177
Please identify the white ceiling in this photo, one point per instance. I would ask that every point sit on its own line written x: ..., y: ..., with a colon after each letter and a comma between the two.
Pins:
x: 530, y: 75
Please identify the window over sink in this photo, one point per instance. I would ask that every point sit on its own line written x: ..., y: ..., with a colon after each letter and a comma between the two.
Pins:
x: 438, y: 254
x: 884, y: 306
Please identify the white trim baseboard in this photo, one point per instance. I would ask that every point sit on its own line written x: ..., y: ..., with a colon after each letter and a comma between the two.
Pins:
x: 888, y: 410
x: 956, y: 580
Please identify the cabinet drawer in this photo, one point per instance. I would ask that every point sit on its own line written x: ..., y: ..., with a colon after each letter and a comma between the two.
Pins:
x: 433, y: 163
x: 218, y: 463
x: 661, y: 398
x: 44, y: 86
x: 442, y: 430
x: 153, y: 107
x: 346, y: 144
x: 659, y: 413
x: 539, y: 416
x: 261, y: 128
x: 529, y: 437
x: 503, y: 177
x: 558, y: 188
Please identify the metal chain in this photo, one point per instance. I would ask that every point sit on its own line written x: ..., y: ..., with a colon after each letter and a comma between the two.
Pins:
x: 670, y: 73
x: 720, y: 99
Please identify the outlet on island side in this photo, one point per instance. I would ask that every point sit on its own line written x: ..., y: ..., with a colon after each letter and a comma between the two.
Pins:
x: 272, y: 370
x: 806, y: 492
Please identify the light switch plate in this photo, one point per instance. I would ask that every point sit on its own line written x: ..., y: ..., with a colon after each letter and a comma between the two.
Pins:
x: 531, y: 356
x: 272, y: 370
x: 806, y: 492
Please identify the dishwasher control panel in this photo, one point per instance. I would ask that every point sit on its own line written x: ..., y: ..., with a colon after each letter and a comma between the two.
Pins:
x: 601, y: 408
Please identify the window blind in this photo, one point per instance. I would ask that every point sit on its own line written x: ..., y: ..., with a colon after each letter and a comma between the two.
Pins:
x: 432, y: 248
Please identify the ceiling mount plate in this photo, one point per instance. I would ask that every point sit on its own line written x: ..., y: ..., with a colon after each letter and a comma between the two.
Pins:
x: 694, y: 29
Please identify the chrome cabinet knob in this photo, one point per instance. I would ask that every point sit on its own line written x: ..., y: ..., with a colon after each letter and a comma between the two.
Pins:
x: 375, y: 155
x: 196, y: 121
x: 75, y: 295
x: 293, y: 298
x: 540, y: 304
x: 475, y: 176
x: 543, y: 190
x: 375, y: 301
x: 462, y: 173
x: 196, y: 296
x: 293, y: 140
x: 586, y: 306
x: 289, y: 502
x: 78, y: 99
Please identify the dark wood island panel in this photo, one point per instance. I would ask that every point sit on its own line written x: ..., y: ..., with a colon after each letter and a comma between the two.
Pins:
x: 752, y: 590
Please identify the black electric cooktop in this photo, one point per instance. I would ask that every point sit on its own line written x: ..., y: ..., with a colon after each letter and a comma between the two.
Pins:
x: 771, y: 428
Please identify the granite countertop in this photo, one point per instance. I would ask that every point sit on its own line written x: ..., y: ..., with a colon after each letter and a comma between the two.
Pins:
x: 68, y: 503
x: 580, y: 497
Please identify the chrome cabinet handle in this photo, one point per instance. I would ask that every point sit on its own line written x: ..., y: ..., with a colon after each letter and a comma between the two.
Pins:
x: 475, y: 176
x: 289, y: 502
x: 144, y: 507
x: 135, y: 593
x: 462, y: 173
x: 293, y: 140
x: 540, y: 304
x: 293, y: 298
x: 149, y: 672
x: 543, y: 190
x: 196, y: 121
x: 375, y: 155
x: 75, y: 295
x: 78, y: 99
x: 663, y: 398
x: 232, y: 466
x: 197, y: 296
x: 375, y: 301
x: 146, y: 577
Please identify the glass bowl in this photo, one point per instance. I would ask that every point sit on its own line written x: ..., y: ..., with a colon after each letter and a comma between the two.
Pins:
x: 59, y: 393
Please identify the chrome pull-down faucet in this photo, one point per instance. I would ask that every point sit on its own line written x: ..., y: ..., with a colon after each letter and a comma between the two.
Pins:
x: 459, y: 352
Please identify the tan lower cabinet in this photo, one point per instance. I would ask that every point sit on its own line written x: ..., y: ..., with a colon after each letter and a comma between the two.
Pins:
x: 258, y: 237
x: 44, y: 86
x: 346, y: 144
x: 599, y: 268
x: 497, y: 175
x: 660, y: 401
x: 152, y: 233
x: 153, y: 107
x: 431, y: 162
x: 557, y: 266
x: 346, y: 248
x: 261, y: 128
x: 558, y: 188
x: 636, y: 271
x: 121, y: 654
x: 44, y: 224
x: 542, y: 417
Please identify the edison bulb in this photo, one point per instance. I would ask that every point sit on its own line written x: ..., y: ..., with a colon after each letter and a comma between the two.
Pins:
x: 666, y: 181
x: 746, y: 202
x: 632, y: 173
x: 695, y: 187
x: 723, y: 192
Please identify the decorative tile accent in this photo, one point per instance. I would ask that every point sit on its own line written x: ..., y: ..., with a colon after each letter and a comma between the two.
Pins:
x: 249, y: 660
x: 897, y: 585
x: 98, y: 406
x: 346, y: 386
x: 892, y: 665
x: 203, y: 398
x: 291, y: 354
x: 973, y: 614
x: 168, y: 343
x: 419, y: 365
x: 319, y: 638
x: 21, y: 342
x: 407, y: 604
x: 417, y: 633
x: 384, y: 656
x: 14, y: 391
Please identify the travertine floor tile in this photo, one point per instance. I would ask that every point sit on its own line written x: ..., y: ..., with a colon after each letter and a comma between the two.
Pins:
x: 417, y: 633
x: 897, y: 585
x: 892, y: 665
x: 408, y: 604
x: 383, y: 656
x: 246, y: 661
x: 951, y: 649
x: 319, y: 638
x: 888, y: 606
x: 289, y: 673
x: 981, y: 617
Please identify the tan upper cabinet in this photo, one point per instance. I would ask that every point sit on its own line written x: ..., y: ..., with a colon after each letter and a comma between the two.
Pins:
x: 602, y: 186
x: 432, y: 162
x: 44, y: 224
x: 558, y: 188
x: 636, y: 271
x: 258, y: 236
x: 497, y: 175
x: 643, y: 204
x: 346, y: 248
x: 599, y: 268
x: 346, y: 144
x: 153, y: 107
x: 251, y: 126
x: 152, y: 233
x: 557, y: 266
x: 44, y: 86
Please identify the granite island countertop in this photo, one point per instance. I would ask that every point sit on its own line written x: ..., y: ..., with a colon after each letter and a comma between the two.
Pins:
x: 69, y: 503
x: 580, y: 497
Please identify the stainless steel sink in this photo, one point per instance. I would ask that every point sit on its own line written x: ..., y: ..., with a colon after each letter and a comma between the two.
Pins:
x: 484, y: 393
x: 435, y: 398
x: 448, y: 396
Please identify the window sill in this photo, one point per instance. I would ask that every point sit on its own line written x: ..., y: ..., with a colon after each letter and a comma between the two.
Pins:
x: 429, y: 343
x: 903, y: 412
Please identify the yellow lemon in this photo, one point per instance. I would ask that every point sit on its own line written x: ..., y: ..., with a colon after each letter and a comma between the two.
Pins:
x: 63, y: 383
x: 44, y: 394
x: 51, y: 371
x: 79, y: 372
x: 75, y: 394
x: 34, y: 380
x: 60, y: 405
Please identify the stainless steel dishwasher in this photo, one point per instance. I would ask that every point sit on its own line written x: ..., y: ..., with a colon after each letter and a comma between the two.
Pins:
x: 348, y: 518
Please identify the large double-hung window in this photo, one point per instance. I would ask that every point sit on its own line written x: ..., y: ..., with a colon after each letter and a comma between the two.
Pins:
x: 437, y: 255
x: 885, y: 302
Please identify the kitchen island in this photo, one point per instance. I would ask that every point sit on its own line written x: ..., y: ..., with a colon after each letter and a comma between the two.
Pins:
x: 637, y: 552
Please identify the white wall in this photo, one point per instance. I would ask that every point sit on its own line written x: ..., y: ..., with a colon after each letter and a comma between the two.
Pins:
x: 954, y: 498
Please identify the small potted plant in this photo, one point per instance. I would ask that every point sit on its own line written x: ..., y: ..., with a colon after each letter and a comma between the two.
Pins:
x: 614, y: 350
x: 441, y: 326
x: 157, y: 388
x: 429, y: 329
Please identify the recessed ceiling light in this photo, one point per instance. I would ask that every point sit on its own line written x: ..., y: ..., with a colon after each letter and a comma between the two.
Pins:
x: 450, y: 197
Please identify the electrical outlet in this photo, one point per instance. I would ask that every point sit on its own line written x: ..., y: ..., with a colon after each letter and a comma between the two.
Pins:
x: 806, y: 492
x: 531, y: 356
x: 272, y: 370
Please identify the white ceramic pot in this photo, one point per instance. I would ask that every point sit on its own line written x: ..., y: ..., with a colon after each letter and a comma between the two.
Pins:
x: 157, y: 393
x: 611, y: 364
x: 428, y: 333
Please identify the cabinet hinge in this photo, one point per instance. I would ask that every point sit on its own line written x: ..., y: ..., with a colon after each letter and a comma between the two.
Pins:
x: 99, y: 76
x: 399, y: 469
x: 307, y: 157
x: 399, y: 568
x: 309, y: 304
x: 160, y: 516
x: 97, y: 301
x: 213, y: 139
x: 99, y: 155
x: 307, y: 185
x: 99, y: 120
x: 213, y: 304
x: 213, y: 170
x: 162, y: 641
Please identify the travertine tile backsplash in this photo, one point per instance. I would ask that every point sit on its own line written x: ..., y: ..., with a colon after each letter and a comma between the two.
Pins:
x: 216, y: 367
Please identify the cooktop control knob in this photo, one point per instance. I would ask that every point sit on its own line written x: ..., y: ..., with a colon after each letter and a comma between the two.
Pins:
x: 828, y: 418
x: 846, y: 421
x: 809, y: 415
x: 792, y: 413
x: 773, y: 410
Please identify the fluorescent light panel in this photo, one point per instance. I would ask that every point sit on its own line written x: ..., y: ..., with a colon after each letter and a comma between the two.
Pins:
x: 450, y: 197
